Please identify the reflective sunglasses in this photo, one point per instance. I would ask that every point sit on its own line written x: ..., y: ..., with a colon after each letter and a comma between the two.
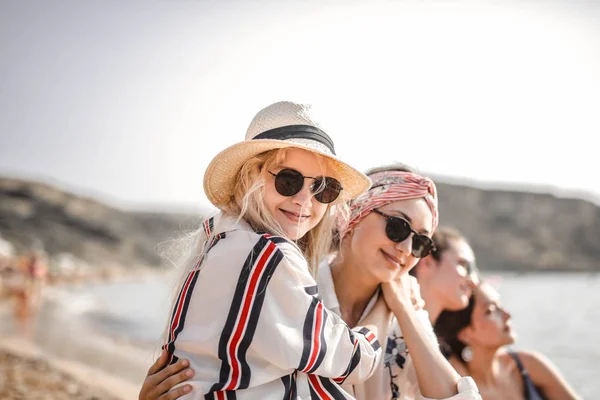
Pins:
x: 398, y: 230
x: 288, y: 182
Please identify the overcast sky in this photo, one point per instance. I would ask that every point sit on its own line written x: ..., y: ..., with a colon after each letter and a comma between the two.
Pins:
x: 128, y: 101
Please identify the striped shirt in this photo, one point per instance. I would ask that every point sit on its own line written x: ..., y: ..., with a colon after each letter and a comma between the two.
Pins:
x: 249, y: 319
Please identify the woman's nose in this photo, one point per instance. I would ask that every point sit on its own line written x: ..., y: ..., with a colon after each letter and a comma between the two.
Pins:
x: 405, y: 246
x: 304, y: 196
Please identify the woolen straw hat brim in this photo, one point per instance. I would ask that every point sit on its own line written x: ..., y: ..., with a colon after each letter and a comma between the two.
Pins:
x: 280, y: 125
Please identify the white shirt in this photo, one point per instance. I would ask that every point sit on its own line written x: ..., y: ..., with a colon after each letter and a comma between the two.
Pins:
x: 249, y: 320
x: 396, y: 373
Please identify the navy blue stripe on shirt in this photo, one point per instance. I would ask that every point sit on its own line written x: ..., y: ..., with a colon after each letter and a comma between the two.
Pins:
x: 289, y: 385
x: 307, y: 332
x: 354, y: 361
x: 332, y: 389
x: 371, y: 338
x: 259, y: 299
x: 312, y: 290
x: 264, y: 255
x: 322, y: 341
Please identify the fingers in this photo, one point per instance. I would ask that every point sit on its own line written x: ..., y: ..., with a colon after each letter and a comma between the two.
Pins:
x: 419, y: 304
x: 154, y: 386
x: 174, y: 380
x: 177, y: 393
x: 159, y: 364
x: 163, y: 375
x: 415, y: 294
x: 414, y: 283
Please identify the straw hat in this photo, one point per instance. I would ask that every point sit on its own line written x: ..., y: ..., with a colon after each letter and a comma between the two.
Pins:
x: 280, y: 125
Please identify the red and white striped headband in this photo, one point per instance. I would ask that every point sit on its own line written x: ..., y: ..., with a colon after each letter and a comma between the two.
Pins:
x: 387, y: 187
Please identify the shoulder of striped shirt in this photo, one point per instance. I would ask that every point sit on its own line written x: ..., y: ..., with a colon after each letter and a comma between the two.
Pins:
x: 246, y: 240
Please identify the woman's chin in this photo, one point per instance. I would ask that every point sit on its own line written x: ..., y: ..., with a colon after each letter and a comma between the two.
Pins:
x: 294, y: 232
x: 510, y: 338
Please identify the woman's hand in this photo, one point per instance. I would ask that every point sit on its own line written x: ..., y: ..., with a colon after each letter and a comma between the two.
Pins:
x: 436, y: 377
x: 402, y: 292
x: 415, y: 293
x: 160, y: 380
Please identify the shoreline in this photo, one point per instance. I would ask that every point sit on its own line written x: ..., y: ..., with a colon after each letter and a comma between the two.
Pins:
x: 61, y: 356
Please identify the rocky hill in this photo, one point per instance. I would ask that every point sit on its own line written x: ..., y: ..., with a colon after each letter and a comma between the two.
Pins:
x: 34, y: 214
x: 509, y: 230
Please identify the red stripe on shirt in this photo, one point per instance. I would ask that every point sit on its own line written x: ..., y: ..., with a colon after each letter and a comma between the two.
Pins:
x: 371, y: 337
x: 323, y: 395
x: 316, y: 337
x: 243, y: 318
x: 180, y: 303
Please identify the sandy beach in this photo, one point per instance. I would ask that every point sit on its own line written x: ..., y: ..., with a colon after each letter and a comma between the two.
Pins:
x: 62, y: 358
x: 27, y: 372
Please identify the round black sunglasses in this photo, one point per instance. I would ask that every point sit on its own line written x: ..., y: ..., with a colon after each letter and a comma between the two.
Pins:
x: 398, y: 230
x: 288, y: 182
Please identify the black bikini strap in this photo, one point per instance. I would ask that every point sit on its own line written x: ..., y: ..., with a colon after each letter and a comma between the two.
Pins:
x: 517, y: 360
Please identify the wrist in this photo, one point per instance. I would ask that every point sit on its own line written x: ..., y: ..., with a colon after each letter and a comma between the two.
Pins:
x: 401, y: 307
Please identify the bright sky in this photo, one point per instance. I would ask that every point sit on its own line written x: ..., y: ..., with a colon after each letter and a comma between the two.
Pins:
x: 129, y: 101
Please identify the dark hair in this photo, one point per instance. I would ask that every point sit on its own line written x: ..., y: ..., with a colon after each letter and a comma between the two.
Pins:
x: 449, y: 324
x: 443, y: 238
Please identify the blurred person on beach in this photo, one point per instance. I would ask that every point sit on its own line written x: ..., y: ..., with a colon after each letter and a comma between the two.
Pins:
x: 389, y: 228
x: 448, y: 275
x: 248, y: 315
x: 478, y: 337
x: 17, y: 290
x: 36, y: 270
x: 24, y: 282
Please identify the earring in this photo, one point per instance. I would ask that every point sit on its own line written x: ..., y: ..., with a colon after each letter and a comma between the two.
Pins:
x: 467, y: 353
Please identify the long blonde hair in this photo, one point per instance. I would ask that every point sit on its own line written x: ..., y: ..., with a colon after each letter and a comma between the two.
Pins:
x: 246, y: 202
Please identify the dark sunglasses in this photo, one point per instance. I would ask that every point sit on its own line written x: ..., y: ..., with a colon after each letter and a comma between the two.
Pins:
x: 288, y: 182
x: 398, y: 230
